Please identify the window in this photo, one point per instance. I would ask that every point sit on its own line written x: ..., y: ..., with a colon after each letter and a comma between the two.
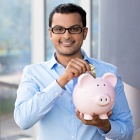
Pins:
x: 15, y: 54
x: 95, y: 28
x: 15, y: 44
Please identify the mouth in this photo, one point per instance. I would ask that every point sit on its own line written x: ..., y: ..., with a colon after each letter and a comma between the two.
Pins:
x: 67, y: 43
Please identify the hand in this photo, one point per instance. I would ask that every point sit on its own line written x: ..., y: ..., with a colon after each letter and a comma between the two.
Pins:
x: 103, y: 124
x: 74, y: 69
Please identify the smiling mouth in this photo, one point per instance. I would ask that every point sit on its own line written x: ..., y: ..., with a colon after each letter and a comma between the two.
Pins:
x: 67, y: 43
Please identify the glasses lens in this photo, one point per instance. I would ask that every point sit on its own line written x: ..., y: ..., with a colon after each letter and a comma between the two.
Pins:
x: 75, y: 30
x: 58, y: 30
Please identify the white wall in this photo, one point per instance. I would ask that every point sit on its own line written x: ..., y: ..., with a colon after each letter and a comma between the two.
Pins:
x: 119, y: 45
x: 86, y: 4
x: 37, y: 40
x: 133, y: 97
x: 38, y: 31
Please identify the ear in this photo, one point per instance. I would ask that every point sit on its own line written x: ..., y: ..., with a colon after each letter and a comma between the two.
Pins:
x: 50, y: 33
x: 111, y: 78
x: 83, y: 78
x: 85, y: 33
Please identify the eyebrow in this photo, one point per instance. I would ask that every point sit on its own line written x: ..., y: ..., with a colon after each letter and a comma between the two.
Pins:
x: 69, y: 27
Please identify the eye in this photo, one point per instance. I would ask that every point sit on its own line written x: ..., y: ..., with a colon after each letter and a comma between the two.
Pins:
x: 75, y: 29
x: 97, y: 84
x: 104, y: 84
x: 58, y: 29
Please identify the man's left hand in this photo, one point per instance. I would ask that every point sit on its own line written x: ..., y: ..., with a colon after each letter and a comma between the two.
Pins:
x: 103, y: 124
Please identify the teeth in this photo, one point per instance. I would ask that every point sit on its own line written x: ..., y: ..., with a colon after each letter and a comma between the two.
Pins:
x: 66, y: 42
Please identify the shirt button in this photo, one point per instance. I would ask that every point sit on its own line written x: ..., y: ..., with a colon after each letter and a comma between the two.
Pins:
x: 40, y: 107
x: 74, y: 116
x: 72, y: 136
x: 56, y: 93
x: 59, y: 95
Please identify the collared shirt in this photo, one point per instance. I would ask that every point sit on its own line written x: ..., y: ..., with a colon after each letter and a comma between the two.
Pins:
x: 41, y: 99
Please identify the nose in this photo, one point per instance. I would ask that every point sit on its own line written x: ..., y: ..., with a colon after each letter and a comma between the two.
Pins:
x: 66, y: 35
x: 103, y: 99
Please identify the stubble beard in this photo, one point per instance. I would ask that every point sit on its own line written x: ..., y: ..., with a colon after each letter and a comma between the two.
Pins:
x: 69, y: 54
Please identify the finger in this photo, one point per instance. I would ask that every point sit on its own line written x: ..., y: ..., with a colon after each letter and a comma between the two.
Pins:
x: 83, y: 120
x: 77, y: 113
x: 95, y: 117
x: 94, y: 120
x: 86, y: 64
x: 81, y: 64
x: 73, y: 70
x: 81, y: 116
x: 76, y: 65
x: 109, y: 114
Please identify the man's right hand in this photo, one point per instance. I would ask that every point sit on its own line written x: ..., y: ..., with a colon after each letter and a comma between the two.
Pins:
x: 74, y: 69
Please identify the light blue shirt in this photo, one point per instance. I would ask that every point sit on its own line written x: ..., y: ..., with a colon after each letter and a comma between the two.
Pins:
x: 40, y: 98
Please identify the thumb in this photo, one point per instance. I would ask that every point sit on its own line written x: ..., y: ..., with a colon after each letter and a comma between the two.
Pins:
x: 109, y: 114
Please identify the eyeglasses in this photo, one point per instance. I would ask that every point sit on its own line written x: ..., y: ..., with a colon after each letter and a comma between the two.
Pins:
x: 62, y: 30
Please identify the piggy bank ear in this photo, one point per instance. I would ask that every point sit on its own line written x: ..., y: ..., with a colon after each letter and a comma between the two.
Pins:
x: 111, y: 78
x: 83, y: 78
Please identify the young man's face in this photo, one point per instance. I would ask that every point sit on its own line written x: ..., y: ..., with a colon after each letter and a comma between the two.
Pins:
x: 67, y: 44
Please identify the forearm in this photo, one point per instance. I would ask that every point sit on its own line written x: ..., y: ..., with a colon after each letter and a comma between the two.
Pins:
x: 30, y: 112
x: 119, y: 130
x: 62, y: 81
x: 30, y: 109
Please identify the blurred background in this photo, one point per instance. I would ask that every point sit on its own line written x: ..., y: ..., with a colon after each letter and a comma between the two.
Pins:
x: 113, y: 37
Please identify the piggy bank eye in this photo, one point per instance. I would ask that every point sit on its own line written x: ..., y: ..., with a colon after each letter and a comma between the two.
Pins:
x: 104, y: 84
x: 97, y: 84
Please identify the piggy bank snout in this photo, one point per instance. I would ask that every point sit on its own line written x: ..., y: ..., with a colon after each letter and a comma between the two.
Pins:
x: 103, y: 99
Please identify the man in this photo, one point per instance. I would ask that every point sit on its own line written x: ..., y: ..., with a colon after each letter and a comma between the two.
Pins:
x: 45, y: 92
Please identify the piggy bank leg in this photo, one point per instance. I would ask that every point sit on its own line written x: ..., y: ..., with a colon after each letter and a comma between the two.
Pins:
x: 88, y: 117
x: 103, y: 116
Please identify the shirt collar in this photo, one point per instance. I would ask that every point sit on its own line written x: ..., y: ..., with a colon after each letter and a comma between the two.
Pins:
x: 54, y: 61
x: 86, y: 58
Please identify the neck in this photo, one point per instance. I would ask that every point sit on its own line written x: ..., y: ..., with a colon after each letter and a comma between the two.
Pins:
x: 64, y: 60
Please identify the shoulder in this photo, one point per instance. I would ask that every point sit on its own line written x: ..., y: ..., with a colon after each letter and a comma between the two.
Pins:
x: 37, y: 67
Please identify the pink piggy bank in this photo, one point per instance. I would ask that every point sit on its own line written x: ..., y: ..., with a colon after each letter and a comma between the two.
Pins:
x: 95, y: 95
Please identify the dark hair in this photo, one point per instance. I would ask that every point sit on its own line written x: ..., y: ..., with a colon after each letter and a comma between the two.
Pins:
x: 66, y: 9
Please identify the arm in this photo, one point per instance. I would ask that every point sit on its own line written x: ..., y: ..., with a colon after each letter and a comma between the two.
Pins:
x: 31, y: 103
x: 120, y: 125
x: 121, y: 120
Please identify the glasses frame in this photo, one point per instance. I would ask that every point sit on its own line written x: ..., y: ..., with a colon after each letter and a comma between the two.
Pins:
x: 68, y: 30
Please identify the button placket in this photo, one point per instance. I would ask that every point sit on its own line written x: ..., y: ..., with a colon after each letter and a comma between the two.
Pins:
x: 73, y: 124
